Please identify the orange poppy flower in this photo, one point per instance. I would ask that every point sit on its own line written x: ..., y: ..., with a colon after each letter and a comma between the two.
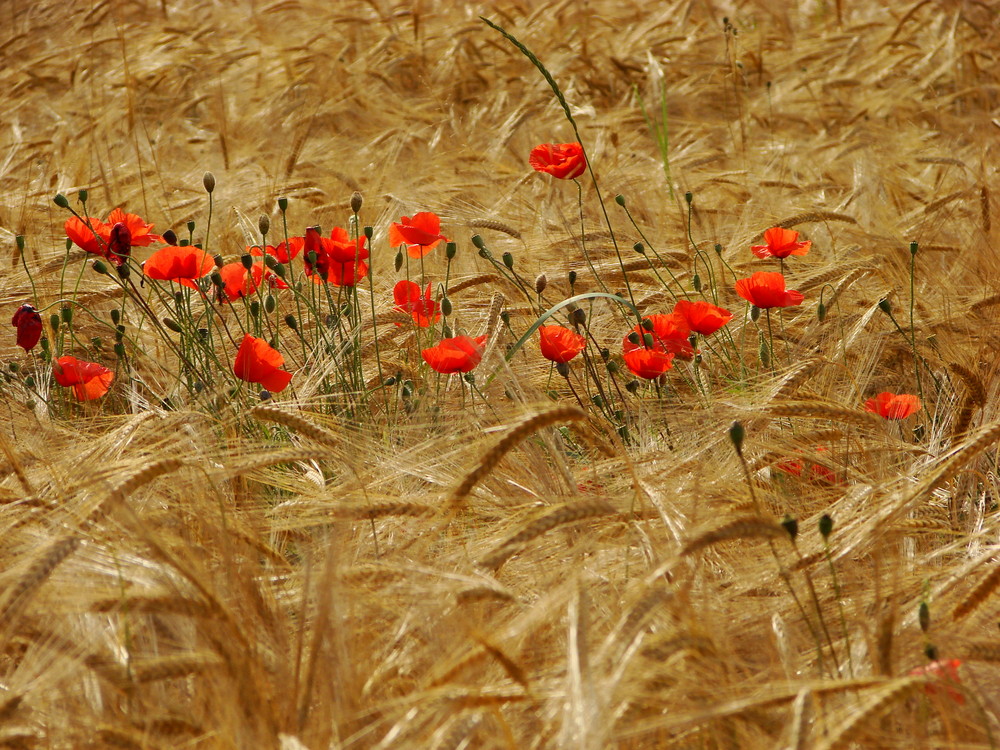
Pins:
x: 702, y: 317
x: 134, y: 228
x: 28, y: 323
x: 459, y: 354
x: 180, y: 264
x: 560, y: 344
x: 766, y: 290
x: 421, y: 234
x: 283, y: 251
x: 944, y: 673
x: 890, y: 406
x: 563, y: 160
x: 423, y: 309
x: 781, y: 243
x: 258, y: 362
x: 89, y: 380
x: 238, y: 282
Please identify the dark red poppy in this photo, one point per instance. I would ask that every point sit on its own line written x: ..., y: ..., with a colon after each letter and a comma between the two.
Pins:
x: 28, y: 323
x: 702, y: 317
x: 423, y: 309
x: 459, y: 354
x: 891, y: 406
x: 560, y: 344
x: 180, y: 264
x: 780, y: 243
x: 283, y: 252
x: 89, y: 380
x: 258, y: 362
x: 766, y: 290
x: 563, y: 160
x: 944, y: 674
x: 421, y: 234
x: 133, y: 231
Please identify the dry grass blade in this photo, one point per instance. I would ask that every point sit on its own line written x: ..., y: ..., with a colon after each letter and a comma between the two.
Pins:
x: 741, y: 528
x: 495, y: 225
x: 172, y: 667
x: 514, y: 436
x: 157, y: 605
x: 819, y: 410
x: 566, y: 514
x: 412, y: 510
x: 298, y: 423
x: 975, y: 598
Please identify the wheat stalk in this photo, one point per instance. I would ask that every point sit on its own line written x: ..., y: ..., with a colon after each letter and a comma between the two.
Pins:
x: 298, y: 423
x: 982, y: 591
x: 849, y: 730
x: 822, y: 410
x: 483, y: 278
x: 495, y: 225
x: 741, y: 528
x: 37, y: 574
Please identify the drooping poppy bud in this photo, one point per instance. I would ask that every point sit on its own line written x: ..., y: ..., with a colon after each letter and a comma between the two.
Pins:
x: 28, y: 323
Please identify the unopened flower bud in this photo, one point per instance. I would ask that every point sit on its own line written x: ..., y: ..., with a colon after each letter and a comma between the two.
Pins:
x: 216, y: 278
x: 791, y: 526
x: 282, y: 204
x: 647, y: 324
x: 478, y: 241
x: 208, y: 180
x: 541, y: 281
x: 647, y: 340
x: 264, y: 224
x: 19, y: 241
x: 563, y: 369
x: 632, y: 386
x: 123, y: 271
x: 61, y: 200
x: 639, y: 248
x: 765, y: 354
x: 356, y: 201
x: 170, y: 237
x: 54, y: 321
x: 116, y: 315
x: 247, y: 261
x: 572, y: 278
x: 578, y: 317
x: 291, y: 322
x: 718, y: 249
x: 689, y: 196
x: 269, y: 304
x: 508, y: 260
x: 255, y: 308
x: 66, y: 313
x: 825, y: 525
x: 279, y: 269
x: 821, y: 312
x: 924, y: 616
x: 754, y: 313
x: 445, y: 306
x: 696, y: 282
x: 172, y: 325
x: 634, y: 339
x: 620, y: 199
x: 399, y: 260
x: 450, y: 250
x: 736, y: 435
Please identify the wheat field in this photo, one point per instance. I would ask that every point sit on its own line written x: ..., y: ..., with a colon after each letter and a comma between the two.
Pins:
x: 511, y: 562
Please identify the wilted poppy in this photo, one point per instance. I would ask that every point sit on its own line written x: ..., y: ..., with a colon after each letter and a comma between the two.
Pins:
x: 702, y: 317
x: 459, y: 354
x: 421, y: 234
x: 258, y: 362
x: 943, y: 673
x: 423, y: 309
x: 780, y: 243
x: 181, y: 264
x: 766, y: 290
x: 89, y: 380
x: 563, y: 160
x: 134, y: 232
x: 28, y: 323
x: 890, y: 406
x: 283, y: 252
x: 560, y: 344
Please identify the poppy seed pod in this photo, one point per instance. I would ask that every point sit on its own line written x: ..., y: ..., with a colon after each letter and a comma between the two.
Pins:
x: 914, y: 247
x: 190, y: 226
x: 61, y: 200
x: 217, y: 281
x: 369, y: 232
x: 689, y: 197
x: 99, y: 266
x: 279, y: 270
x: 208, y: 180
x: 19, y: 241
x: 66, y: 314
x: 450, y: 250
x: 116, y: 315
x: 123, y: 272
x: 541, y: 281
x: 578, y: 317
x: 218, y: 260
x: 632, y: 386
x: 647, y: 340
x: 477, y: 240
x: 282, y: 204
x: 264, y: 224
x: 356, y: 201
x: 247, y: 261
x: 572, y: 278
x: 633, y: 338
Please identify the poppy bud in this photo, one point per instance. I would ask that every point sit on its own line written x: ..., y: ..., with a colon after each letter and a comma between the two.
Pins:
x: 279, y: 269
x: 44, y: 343
x: 825, y: 525
x: 190, y: 226
x: 311, y: 257
x: 450, y: 250
x: 97, y: 342
x: 718, y: 249
x: 282, y: 204
x: 924, y: 616
x: 914, y: 247
x: 623, y: 433
x: 66, y: 314
x: 119, y: 350
x: 598, y: 401
x: 123, y: 272
x: 100, y: 267
x: 219, y: 260
x: 478, y: 241
x: 485, y: 253
x: 69, y: 243
x: 634, y: 339
x: 620, y: 200
x: 29, y: 381
x: 116, y: 315
x: 269, y: 304
x: 183, y: 243
x: 821, y: 312
x: 216, y: 278
x: 563, y: 368
x: 247, y: 261
x: 83, y: 195
x: 265, y: 395
x: 689, y: 196
x: 639, y: 248
x: 696, y: 282
x: 291, y: 322
x: 19, y: 241
x: 765, y: 354
x: 264, y: 224
x: 505, y: 317
x: 931, y: 652
x: 572, y: 278
x: 255, y: 308
x: 541, y: 281
x: 61, y: 200
x: 172, y: 325
x: 647, y: 324
x: 399, y: 260
x: 647, y: 340
x: 884, y: 306
x: 508, y: 260
x: 445, y: 306
x: 369, y: 232
x: 605, y: 354
x: 791, y: 526
x: 736, y: 435
x: 613, y: 368
x: 632, y: 386
x: 693, y: 340
x: 470, y: 378
x: 356, y: 201
x: 54, y: 321
x: 14, y: 367
x: 389, y: 381
x: 578, y: 317
x: 208, y: 180
x: 170, y: 237
x: 754, y: 313
x: 446, y: 331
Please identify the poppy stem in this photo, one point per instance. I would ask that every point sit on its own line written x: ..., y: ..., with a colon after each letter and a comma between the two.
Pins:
x: 583, y: 237
x: 770, y: 337
x: 663, y: 263
x: 913, y: 330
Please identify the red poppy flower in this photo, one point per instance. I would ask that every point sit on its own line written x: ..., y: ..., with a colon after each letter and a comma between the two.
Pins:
x: 238, y: 282
x: 134, y: 231
x: 563, y: 160
x: 181, y: 264
x: 701, y: 316
x: 258, y: 362
x: 283, y: 252
x: 648, y: 363
x: 28, y: 323
x: 423, y: 309
x: 560, y: 344
x: 890, y: 406
x: 816, y: 473
x: 767, y: 290
x: 421, y: 234
x: 460, y: 354
x: 89, y: 380
x: 339, y: 260
x: 781, y: 243
x: 670, y: 334
x: 943, y: 673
